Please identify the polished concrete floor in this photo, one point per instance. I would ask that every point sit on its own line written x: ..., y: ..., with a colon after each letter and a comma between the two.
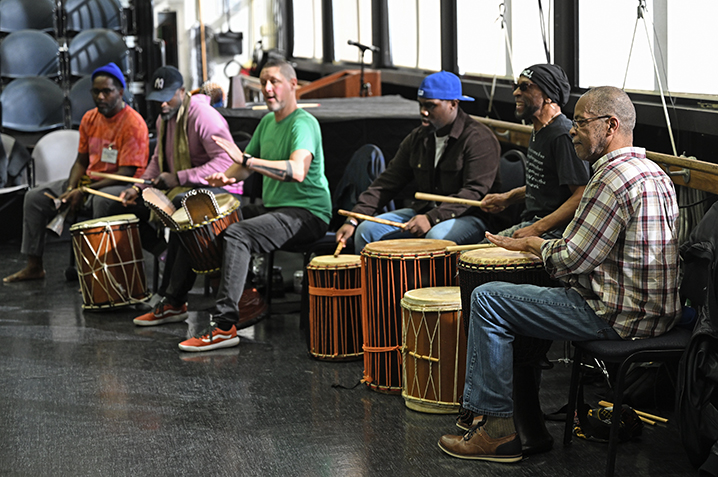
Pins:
x: 88, y: 393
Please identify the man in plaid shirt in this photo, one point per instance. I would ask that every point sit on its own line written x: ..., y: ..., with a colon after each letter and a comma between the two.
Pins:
x: 618, y: 260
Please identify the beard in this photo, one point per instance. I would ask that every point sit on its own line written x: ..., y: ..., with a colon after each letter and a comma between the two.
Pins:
x: 170, y: 114
x: 528, y: 112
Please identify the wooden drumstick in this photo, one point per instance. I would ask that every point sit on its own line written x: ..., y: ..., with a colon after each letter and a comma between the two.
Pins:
x: 117, y: 177
x: 475, y: 246
x: 371, y: 219
x: 339, y: 248
x: 443, y: 198
x: 640, y: 413
x: 100, y: 193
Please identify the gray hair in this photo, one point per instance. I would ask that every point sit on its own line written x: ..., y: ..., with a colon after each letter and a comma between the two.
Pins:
x: 609, y: 100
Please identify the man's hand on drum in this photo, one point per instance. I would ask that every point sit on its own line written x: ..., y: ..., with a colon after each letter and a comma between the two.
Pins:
x: 219, y: 179
x: 344, y: 233
x: 129, y: 196
x: 526, y: 244
x: 418, y: 225
x: 231, y: 148
x: 494, y: 203
x: 166, y: 180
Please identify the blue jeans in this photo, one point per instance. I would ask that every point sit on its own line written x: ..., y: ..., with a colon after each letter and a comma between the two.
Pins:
x: 501, y: 310
x: 462, y: 230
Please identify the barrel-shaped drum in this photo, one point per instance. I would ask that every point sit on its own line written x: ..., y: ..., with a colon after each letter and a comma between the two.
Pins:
x: 434, y: 350
x: 110, y: 265
x: 335, y: 331
x: 480, y: 266
x: 202, y: 239
x: 390, y: 268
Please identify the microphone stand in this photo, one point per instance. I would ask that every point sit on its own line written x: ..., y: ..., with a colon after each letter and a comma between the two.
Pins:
x: 364, y: 88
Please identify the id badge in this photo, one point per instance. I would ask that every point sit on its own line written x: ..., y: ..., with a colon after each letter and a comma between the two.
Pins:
x: 109, y: 155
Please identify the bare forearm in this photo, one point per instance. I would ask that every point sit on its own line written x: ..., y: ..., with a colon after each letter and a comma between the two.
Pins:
x: 279, y: 170
x: 563, y: 215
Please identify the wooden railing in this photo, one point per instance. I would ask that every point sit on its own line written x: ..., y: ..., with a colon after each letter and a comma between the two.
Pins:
x: 684, y: 171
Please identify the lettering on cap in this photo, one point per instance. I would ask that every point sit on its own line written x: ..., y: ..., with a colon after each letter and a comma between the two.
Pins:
x: 159, y: 83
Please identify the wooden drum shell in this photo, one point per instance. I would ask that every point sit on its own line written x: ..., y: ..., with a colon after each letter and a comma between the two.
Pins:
x: 335, y: 307
x: 390, y: 268
x: 434, y: 350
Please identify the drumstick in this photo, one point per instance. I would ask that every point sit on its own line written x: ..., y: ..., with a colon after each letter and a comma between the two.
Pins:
x: 117, y: 177
x: 50, y: 195
x: 443, y: 198
x: 640, y: 413
x: 101, y: 194
x: 371, y: 219
x: 339, y: 248
x: 475, y: 246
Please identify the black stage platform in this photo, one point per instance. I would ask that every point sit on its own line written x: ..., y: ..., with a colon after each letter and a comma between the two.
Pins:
x: 90, y: 394
x: 346, y: 124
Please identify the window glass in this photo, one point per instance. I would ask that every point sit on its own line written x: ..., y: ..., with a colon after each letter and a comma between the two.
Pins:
x: 415, y: 33
x: 605, y: 32
x: 526, y: 36
x: 352, y: 21
x: 307, y: 28
x: 481, y: 40
x: 688, y: 39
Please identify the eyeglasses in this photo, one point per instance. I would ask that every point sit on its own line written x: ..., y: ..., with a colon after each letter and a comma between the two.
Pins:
x: 578, y: 123
x: 523, y: 86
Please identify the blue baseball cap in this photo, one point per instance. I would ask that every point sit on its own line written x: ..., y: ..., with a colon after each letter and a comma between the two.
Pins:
x: 112, y: 70
x: 442, y: 85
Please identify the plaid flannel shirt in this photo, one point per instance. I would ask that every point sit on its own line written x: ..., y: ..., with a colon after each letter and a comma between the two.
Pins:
x: 620, y: 250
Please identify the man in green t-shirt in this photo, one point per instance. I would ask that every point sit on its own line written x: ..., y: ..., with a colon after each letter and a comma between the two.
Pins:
x: 296, y: 205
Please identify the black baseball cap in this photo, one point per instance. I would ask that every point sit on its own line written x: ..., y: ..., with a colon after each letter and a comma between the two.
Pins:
x: 165, y: 82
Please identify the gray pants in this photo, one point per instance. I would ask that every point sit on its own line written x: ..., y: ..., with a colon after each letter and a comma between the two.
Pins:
x: 39, y: 210
x: 261, y: 230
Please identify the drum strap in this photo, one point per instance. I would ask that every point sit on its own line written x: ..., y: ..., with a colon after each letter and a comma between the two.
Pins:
x: 334, y: 291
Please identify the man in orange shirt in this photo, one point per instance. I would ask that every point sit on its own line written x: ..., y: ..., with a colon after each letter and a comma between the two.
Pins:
x: 114, y: 139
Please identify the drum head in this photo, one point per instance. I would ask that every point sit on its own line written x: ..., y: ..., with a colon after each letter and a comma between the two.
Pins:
x: 408, y: 246
x: 499, y: 256
x: 104, y: 221
x: 341, y: 261
x: 445, y: 298
x: 226, y: 203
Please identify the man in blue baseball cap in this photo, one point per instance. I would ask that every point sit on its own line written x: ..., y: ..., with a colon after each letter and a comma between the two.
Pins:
x: 113, y: 139
x: 450, y: 154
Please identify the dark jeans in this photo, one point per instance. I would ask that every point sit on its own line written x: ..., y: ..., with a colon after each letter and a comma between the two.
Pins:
x: 261, y: 230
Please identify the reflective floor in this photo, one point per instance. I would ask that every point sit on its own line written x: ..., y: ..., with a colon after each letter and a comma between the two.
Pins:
x: 89, y: 393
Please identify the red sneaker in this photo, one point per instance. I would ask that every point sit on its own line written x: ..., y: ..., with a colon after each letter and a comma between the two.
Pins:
x: 211, y: 338
x: 163, y: 313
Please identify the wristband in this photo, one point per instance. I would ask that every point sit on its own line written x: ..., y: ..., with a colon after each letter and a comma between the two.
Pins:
x: 137, y: 189
x: 245, y: 157
x: 352, y: 221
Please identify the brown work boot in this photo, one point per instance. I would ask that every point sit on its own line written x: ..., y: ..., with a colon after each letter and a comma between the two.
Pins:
x: 477, y: 444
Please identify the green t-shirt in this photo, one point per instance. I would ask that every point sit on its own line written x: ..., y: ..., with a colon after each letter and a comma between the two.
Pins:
x: 275, y: 141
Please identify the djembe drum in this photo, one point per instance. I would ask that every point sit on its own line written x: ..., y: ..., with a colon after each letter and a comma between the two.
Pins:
x: 335, y: 332
x: 434, y: 350
x: 201, y: 219
x: 198, y: 223
x: 110, y: 265
x: 480, y: 266
x: 390, y: 268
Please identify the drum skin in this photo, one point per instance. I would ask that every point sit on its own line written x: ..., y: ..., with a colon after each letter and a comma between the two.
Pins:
x: 335, y: 304
x: 480, y: 266
x: 202, y: 240
x: 434, y: 350
x: 109, y: 259
x: 390, y: 268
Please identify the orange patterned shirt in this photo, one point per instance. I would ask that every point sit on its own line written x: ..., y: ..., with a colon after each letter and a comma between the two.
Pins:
x: 125, y: 132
